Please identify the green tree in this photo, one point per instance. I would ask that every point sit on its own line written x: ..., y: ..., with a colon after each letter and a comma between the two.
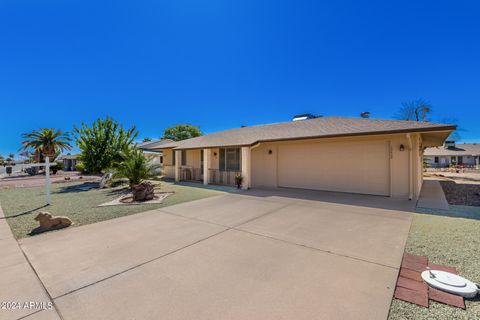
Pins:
x: 147, y: 139
x: 46, y: 142
x: 135, y: 167
x: 182, y: 132
x: 415, y: 110
x: 102, y: 143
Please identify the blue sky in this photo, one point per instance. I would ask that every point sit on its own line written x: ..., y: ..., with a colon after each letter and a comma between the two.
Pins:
x: 223, y: 64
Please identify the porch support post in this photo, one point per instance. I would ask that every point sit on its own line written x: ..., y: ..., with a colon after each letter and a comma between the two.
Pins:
x: 246, y: 167
x: 178, y: 160
x: 207, y: 153
x: 410, y: 166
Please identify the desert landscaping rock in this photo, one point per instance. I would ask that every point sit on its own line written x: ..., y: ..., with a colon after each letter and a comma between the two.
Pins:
x: 127, y: 199
x: 462, y: 194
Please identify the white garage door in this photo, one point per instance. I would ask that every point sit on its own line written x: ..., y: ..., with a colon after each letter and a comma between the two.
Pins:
x: 358, y: 167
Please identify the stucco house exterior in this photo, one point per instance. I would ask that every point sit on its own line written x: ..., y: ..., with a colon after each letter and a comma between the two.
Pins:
x: 356, y: 155
x: 69, y: 162
x: 466, y: 155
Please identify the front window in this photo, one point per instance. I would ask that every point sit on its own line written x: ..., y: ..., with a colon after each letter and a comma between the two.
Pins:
x: 184, y: 157
x: 460, y: 159
x: 230, y: 159
x: 436, y: 159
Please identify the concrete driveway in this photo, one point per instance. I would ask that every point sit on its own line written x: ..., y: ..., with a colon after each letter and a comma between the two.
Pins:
x: 262, y: 254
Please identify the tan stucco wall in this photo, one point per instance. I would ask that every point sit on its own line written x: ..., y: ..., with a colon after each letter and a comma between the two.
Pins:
x: 168, y: 157
x: 168, y: 168
x: 265, y: 165
x: 214, y: 162
x: 194, y: 158
x: 399, y: 171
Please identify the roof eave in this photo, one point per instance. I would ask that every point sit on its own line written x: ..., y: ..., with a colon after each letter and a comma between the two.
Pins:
x: 383, y: 132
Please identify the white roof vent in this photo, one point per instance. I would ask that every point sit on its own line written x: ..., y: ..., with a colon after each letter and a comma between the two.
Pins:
x: 449, y: 144
x: 305, y: 116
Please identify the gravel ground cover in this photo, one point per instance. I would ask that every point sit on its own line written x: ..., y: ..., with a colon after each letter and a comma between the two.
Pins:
x: 21, y: 205
x: 458, y: 193
x: 447, y: 237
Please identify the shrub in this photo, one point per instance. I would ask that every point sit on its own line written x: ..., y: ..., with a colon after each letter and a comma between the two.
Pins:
x: 238, y: 180
x: 135, y: 167
x: 102, y: 143
x: 80, y: 167
x: 57, y: 167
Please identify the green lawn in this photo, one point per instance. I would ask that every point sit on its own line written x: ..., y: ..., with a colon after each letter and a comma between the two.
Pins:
x: 21, y: 205
x: 450, y: 238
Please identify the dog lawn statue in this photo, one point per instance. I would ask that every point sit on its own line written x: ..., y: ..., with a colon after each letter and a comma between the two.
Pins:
x: 49, y: 222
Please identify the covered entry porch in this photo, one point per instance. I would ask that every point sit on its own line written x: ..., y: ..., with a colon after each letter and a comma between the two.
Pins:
x: 217, y: 166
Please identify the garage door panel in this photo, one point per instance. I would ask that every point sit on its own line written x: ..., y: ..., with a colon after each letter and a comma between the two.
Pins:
x: 360, y: 167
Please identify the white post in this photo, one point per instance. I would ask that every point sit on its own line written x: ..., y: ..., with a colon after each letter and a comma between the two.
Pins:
x: 206, y: 165
x: 410, y: 167
x: 178, y: 160
x: 47, y: 180
x: 246, y: 172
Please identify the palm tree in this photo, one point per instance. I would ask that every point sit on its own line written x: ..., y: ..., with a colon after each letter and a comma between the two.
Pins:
x: 135, y: 167
x: 46, y: 142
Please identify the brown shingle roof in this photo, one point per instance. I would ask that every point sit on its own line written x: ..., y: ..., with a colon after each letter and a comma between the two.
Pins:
x: 467, y: 149
x: 152, y: 145
x: 314, y: 128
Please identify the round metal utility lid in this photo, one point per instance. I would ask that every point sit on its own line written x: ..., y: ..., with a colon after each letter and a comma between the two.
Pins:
x: 450, y: 279
x: 450, y: 282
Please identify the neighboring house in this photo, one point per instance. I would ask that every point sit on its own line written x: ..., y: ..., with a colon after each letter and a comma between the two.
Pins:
x: 151, y: 148
x: 69, y: 162
x: 368, y: 156
x: 467, y: 154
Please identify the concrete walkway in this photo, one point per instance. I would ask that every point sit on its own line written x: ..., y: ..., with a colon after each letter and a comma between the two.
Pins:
x: 20, y: 289
x: 263, y: 254
x: 432, y: 195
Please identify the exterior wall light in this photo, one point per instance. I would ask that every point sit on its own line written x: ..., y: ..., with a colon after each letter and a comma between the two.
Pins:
x: 402, y: 147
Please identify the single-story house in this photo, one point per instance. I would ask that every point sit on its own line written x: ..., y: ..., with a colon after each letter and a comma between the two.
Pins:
x: 355, y: 155
x: 69, y: 162
x: 152, y: 149
x: 466, y: 154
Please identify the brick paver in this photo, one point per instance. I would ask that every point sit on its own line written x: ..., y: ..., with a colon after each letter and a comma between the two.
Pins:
x: 411, y: 287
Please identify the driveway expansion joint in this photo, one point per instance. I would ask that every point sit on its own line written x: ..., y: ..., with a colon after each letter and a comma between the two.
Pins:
x: 42, y: 284
x: 269, y: 212
x: 139, y: 265
x: 318, y: 249
x: 227, y: 228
